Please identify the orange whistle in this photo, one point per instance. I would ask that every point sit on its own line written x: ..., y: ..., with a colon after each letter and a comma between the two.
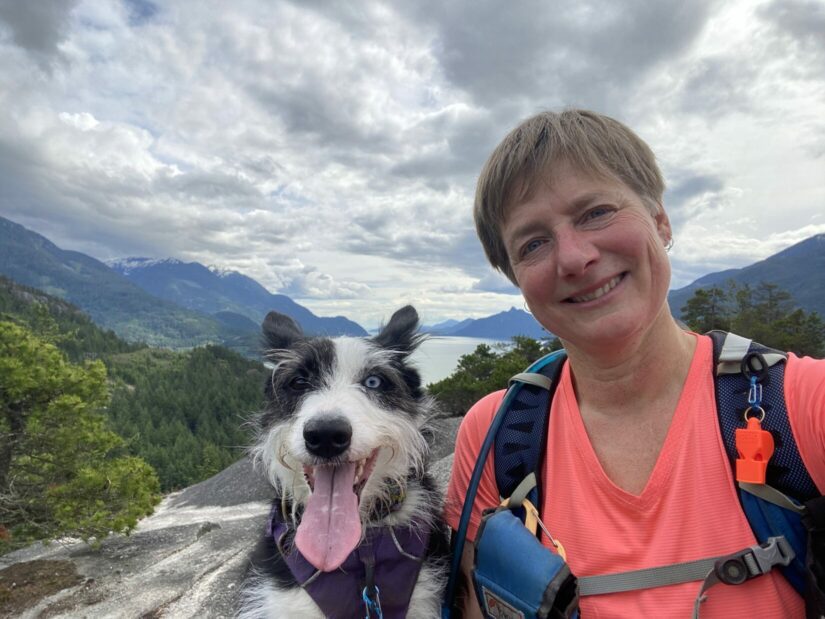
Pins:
x: 755, y: 447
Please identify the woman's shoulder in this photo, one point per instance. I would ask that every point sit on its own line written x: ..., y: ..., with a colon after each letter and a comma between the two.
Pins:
x: 806, y: 366
x: 805, y: 400
x: 489, y: 401
x: 805, y: 384
x: 478, y: 419
x: 484, y: 409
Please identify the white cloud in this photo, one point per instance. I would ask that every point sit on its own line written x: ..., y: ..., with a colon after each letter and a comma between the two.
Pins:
x: 330, y: 150
x: 307, y: 282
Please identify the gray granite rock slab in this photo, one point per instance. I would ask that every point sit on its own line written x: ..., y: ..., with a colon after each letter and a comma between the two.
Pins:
x: 185, y: 560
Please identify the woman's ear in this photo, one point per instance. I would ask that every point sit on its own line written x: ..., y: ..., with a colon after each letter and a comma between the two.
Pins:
x: 663, y: 225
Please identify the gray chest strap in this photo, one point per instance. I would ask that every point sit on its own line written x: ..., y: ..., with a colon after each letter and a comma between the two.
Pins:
x: 753, y: 561
x: 647, y: 578
x: 733, y: 569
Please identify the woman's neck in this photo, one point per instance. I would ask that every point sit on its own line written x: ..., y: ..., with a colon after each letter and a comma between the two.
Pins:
x: 625, y: 377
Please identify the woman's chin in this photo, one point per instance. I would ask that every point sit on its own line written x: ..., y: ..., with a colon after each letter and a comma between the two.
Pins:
x: 606, y: 332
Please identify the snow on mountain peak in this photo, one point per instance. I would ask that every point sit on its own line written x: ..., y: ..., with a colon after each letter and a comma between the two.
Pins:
x: 130, y: 263
x: 221, y: 272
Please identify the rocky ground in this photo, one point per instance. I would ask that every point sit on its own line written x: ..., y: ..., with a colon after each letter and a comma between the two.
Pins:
x: 186, y: 560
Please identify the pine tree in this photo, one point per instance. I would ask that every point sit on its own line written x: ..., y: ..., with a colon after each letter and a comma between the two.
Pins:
x: 62, y: 470
x: 707, y: 310
x: 764, y: 313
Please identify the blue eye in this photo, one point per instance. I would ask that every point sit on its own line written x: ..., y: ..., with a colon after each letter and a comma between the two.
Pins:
x: 532, y: 246
x: 373, y: 382
x: 299, y: 383
x: 595, y: 213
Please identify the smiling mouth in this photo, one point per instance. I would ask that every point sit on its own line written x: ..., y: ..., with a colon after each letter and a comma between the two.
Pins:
x: 330, y: 526
x: 599, y: 292
x: 363, y: 469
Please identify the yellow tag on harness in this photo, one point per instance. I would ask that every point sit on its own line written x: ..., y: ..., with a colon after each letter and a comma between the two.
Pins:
x: 532, y: 521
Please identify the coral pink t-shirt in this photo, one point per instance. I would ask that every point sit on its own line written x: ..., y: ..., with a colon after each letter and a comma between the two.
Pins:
x: 688, y: 510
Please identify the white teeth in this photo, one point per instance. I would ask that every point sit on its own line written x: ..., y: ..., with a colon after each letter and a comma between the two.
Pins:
x: 359, y: 471
x: 599, y: 292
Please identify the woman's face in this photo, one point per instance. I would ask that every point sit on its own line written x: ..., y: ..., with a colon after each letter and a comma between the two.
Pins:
x: 589, y: 258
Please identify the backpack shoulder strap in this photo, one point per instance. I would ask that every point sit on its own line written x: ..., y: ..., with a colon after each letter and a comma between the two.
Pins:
x: 786, y: 471
x: 523, y: 392
x: 732, y: 356
x: 522, y: 436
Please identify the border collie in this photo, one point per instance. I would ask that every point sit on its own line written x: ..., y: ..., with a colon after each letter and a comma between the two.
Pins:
x: 355, y: 527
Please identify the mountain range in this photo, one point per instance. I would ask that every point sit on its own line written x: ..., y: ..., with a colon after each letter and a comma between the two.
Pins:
x: 512, y: 322
x: 799, y: 270
x: 227, y: 295
x: 179, y: 304
x: 168, y: 302
x: 111, y: 300
x: 157, y: 316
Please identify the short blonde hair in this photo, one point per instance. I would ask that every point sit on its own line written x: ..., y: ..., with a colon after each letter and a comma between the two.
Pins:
x: 590, y: 142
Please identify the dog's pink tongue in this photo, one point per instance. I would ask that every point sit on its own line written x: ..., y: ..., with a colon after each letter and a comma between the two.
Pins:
x: 330, y: 527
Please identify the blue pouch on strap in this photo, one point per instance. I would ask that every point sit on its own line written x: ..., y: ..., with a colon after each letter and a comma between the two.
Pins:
x: 516, y: 577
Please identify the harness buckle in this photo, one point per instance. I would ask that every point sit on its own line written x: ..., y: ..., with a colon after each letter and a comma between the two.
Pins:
x: 741, y: 566
x: 754, y: 561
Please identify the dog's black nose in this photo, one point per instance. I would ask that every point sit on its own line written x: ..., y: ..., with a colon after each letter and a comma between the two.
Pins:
x: 327, y: 438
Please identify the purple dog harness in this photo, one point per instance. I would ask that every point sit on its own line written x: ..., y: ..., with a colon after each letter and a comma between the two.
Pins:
x: 376, y: 579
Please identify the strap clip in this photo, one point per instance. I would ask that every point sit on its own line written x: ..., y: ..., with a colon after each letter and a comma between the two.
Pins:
x: 755, y: 392
x: 754, y: 561
x: 372, y: 603
x: 741, y: 566
x: 532, y: 520
x: 370, y: 594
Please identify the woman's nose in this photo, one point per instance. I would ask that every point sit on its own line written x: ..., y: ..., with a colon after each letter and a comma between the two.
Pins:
x: 575, y: 252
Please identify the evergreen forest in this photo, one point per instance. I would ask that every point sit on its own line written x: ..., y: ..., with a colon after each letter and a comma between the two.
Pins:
x: 765, y: 313
x: 183, y: 412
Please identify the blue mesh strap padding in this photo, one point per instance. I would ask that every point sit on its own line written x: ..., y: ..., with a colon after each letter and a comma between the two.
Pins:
x: 521, y: 439
x: 786, y: 470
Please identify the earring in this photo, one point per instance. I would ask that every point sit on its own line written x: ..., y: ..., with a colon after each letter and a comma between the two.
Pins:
x: 669, y: 244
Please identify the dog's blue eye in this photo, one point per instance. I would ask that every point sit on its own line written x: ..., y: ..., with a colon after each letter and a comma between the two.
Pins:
x: 299, y: 383
x: 373, y: 382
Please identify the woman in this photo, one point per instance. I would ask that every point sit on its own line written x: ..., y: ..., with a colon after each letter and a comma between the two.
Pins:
x: 569, y: 207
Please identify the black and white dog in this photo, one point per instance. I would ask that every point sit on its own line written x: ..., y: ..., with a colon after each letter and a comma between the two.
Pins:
x: 355, y: 528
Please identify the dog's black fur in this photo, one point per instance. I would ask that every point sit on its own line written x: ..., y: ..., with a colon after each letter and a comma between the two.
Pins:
x: 370, y: 385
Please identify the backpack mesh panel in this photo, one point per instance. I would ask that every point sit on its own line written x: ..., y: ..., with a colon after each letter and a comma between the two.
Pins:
x: 519, y: 442
x: 786, y: 471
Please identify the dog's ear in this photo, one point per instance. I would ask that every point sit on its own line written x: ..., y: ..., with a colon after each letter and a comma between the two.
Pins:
x: 280, y: 331
x: 400, y: 332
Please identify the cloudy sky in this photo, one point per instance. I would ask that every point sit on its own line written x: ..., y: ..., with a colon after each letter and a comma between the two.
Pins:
x: 331, y: 152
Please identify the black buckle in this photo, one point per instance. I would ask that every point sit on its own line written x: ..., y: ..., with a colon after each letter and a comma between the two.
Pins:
x: 754, y: 561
